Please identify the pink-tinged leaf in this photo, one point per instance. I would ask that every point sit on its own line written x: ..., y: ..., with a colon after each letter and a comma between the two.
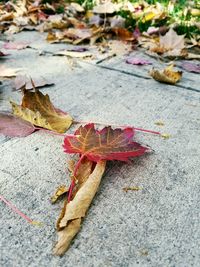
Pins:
x: 137, y: 61
x: 136, y: 33
x: 15, y: 45
x: 105, y: 144
x: 191, y: 67
x: 14, y: 127
x: 78, y: 49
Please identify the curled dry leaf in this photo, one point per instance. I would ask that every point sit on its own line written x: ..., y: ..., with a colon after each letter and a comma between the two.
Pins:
x: 71, y: 217
x: 14, y: 127
x: 168, y: 75
x: 23, y: 81
x: 38, y: 109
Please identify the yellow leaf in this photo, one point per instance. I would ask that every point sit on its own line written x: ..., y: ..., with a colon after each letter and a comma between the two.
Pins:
x: 132, y: 188
x: 36, y: 223
x: 167, y: 75
x: 165, y: 135
x: 148, y: 16
x: 38, y: 109
x: 159, y: 123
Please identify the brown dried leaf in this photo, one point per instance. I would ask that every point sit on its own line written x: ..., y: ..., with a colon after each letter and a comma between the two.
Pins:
x: 171, y: 42
x: 118, y: 48
x: 167, y: 75
x: 69, y: 222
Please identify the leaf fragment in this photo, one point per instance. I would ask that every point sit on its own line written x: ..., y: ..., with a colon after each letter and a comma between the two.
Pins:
x: 60, y: 191
x: 159, y: 123
x: 13, y: 126
x: 6, y: 72
x: 38, y: 109
x: 166, y: 135
x: 131, y: 188
x: 22, y: 81
x: 168, y: 75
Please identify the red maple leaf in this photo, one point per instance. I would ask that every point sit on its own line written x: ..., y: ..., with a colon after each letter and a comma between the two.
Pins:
x: 105, y: 144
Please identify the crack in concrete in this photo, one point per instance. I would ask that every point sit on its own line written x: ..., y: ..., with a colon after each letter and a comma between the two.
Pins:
x: 144, y: 77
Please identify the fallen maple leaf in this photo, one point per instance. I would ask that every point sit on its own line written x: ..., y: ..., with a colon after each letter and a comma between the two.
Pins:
x: 105, y: 144
x: 38, y: 109
x: 137, y: 61
x: 23, y: 81
x: 167, y: 75
x: 14, y: 127
x: 94, y: 146
x: 171, y: 43
x: 171, y: 40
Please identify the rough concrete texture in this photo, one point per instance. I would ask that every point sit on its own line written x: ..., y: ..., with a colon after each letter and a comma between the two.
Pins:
x: 155, y: 226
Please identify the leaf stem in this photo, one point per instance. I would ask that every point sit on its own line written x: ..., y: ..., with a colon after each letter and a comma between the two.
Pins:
x: 72, y: 185
x: 16, y: 210
x: 121, y: 126
x: 48, y: 131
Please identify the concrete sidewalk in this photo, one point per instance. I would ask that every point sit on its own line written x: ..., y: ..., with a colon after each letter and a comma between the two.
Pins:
x: 155, y: 226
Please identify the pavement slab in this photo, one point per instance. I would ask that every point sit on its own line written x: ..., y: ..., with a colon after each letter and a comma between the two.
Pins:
x: 157, y: 225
